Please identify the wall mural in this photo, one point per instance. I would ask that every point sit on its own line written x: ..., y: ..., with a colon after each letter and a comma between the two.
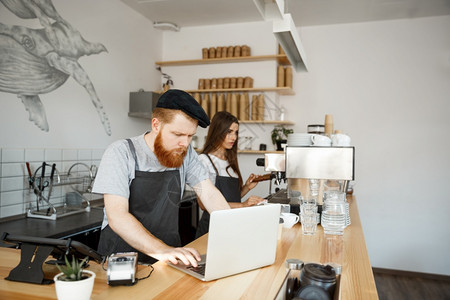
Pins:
x: 38, y: 61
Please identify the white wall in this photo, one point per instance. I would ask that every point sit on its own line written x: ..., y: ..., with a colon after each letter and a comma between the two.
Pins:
x: 76, y: 133
x: 133, y: 47
x: 387, y: 85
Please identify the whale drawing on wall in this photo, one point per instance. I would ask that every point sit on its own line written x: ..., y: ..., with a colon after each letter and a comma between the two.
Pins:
x: 38, y: 61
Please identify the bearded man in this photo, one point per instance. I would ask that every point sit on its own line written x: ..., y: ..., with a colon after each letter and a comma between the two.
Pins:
x: 143, y: 178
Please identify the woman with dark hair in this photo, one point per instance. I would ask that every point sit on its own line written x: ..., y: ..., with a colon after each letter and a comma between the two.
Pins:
x: 219, y: 156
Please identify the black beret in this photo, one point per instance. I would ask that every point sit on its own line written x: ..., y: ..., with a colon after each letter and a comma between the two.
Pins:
x: 178, y: 99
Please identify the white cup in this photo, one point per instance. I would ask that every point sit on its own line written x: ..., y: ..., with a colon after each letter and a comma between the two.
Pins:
x: 320, y: 140
x: 340, y: 140
x: 289, y: 219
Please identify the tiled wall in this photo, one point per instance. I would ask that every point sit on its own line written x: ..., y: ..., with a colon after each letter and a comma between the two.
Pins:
x: 15, y: 191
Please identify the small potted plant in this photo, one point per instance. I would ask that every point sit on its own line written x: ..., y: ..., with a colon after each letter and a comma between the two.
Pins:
x: 74, y: 282
x: 279, y: 136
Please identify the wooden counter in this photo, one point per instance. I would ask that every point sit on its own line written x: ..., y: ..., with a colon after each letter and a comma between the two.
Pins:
x: 349, y: 250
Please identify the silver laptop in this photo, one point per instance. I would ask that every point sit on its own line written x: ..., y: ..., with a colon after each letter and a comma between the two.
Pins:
x: 239, y: 240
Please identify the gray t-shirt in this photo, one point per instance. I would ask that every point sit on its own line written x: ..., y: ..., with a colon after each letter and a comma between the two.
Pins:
x: 116, y: 170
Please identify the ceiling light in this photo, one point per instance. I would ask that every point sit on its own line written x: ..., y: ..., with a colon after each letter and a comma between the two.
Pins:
x: 166, y: 26
x: 286, y: 34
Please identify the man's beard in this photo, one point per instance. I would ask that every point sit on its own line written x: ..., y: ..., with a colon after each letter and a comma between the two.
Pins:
x: 169, y: 158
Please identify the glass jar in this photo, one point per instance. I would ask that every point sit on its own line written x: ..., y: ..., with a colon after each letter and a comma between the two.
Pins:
x: 334, y: 213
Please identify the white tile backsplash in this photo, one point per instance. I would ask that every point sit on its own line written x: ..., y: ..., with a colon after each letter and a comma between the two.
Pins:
x: 11, y: 198
x: 15, y: 193
x: 53, y: 155
x: 70, y: 154
x: 12, y: 184
x: 84, y: 154
x: 11, y: 210
x: 13, y: 155
x: 34, y: 155
x: 13, y: 169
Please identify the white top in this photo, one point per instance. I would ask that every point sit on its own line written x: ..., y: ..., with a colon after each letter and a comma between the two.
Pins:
x: 221, y: 165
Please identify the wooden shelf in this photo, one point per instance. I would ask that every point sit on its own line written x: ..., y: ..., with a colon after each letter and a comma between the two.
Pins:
x: 280, y: 58
x: 279, y: 90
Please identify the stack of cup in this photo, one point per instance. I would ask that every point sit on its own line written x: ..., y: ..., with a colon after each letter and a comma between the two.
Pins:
x: 334, y: 213
x: 309, y: 215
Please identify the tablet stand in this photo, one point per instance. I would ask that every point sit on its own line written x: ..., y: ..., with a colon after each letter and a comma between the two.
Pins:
x: 29, y: 269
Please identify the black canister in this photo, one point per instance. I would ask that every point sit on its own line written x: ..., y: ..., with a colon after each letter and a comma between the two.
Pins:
x: 320, y: 276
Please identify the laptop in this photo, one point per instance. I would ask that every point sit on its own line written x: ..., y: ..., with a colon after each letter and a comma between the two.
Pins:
x: 239, y: 240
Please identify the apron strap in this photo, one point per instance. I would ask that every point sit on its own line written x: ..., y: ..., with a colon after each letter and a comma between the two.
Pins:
x: 214, y: 166
x: 133, y: 152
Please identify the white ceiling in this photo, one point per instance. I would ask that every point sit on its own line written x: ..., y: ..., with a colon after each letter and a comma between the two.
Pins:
x: 186, y: 13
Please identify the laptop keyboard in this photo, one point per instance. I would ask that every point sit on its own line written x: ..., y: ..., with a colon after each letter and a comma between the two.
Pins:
x: 200, y: 269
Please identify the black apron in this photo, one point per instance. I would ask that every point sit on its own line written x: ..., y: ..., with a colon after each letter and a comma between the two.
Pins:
x: 154, y: 201
x: 230, y: 189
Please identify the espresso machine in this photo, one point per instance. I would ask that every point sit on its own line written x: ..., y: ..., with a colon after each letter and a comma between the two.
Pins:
x: 327, y: 167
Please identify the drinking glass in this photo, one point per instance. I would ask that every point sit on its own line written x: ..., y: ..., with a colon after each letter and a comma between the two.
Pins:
x: 309, y: 223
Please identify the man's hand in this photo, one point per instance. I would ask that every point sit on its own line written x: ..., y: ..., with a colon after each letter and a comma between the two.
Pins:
x: 252, y: 200
x: 189, y: 256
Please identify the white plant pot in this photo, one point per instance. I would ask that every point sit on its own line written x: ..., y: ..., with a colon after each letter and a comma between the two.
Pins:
x: 74, y: 290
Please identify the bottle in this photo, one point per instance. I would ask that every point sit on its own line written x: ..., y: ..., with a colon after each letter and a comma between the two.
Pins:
x: 213, y: 105
x: 234, y: 105
x: 214, y: 83
x: 207, y: 84
x: 228, y: 103
x: 201, y: 84
x: 226, y: 83
x: 221, y: 103
x: 240, y: 82
x: 237, y: 51
x: 288, y: 77
x: 230, y: 51
x: 282, y: 113
x: 220, y: 83
x: 261, y: 107
x: 212, y: 52
x: 233, y: 82
x: 246, y: 108
x: 243, y: 109
x: 218, y: 52
x: 328, y: 125
x: 224, y: 52
x: 280, y: 76
x: 254, y: 107
x: 205, y: 103
x: 205, y: 53
x: 248, y: 82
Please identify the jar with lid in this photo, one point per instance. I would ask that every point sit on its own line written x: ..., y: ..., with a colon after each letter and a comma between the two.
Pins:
x: 316, y: 129
x: 317, y: 275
